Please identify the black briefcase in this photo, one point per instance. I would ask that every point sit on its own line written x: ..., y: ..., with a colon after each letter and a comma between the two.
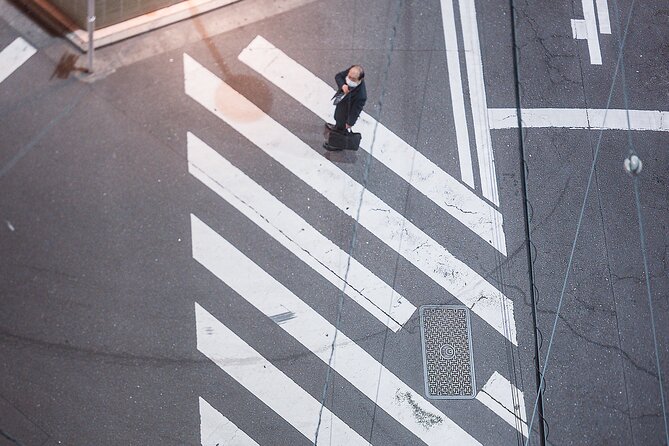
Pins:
x: 342, y: 140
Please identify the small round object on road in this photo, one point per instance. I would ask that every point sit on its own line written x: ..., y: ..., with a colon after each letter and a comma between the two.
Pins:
x: 633, y: 165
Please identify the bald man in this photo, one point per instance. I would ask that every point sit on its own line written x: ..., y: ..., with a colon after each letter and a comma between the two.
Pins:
x: 350, y: 97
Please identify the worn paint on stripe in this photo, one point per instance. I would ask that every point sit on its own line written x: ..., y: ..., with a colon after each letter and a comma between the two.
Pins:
x: 260, y: 377
x: 295, y: 234
x: 13, y: 56
x: 376, y: 216
x: 503, y: 398
x: 479, y: 102
x: 314, y: 332
x: 396, y: 154
x: 581, y: 118
x: 216, y: 429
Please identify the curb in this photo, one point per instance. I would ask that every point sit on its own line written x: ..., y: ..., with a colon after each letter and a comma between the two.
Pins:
x: 129, y: 28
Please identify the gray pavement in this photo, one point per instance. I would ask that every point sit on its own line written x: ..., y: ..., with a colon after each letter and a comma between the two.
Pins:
x: 98, y: 330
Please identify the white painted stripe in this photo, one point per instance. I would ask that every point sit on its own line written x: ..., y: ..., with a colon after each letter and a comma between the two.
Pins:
x: 503, y: 398
x: 13, y: 56
x: 457, y: 96
x: 295, y: 234
x: 581, y: 118
x: 578, y: 29
x: 586, y: 28
x: 216, y: 429
x: 260, y: 377
x: 383, y: 221
x: 425, y: 176
x: 314, y: 332
x: 479, y: 102
x: 603, y: 16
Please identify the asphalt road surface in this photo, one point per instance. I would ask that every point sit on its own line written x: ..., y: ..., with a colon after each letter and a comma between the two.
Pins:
x: 183, y: 263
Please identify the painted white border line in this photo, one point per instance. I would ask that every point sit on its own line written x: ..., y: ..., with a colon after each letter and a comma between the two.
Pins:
x: 295, y: 234
x: 315, y: 333
x: 13, y: 56
x: 457, y: 95
x: 426, y: 177
x: 479, y: 102
x: 581, y: 118
x: 503, y: 398
x: 260, y: 377
x: 216, y: 429
x: 603, y: 16
x: 376, y: 216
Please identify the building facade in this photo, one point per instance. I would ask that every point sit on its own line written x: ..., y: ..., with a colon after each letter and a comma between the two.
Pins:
x: 109, y: 12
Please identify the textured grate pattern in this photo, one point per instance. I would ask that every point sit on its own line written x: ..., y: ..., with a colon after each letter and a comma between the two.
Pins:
x: 447, y: 352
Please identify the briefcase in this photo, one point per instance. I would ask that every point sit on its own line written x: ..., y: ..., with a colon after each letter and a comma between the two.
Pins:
x: 342, y: 140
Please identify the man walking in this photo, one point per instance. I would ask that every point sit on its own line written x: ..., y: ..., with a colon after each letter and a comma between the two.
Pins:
x: 349, y: 99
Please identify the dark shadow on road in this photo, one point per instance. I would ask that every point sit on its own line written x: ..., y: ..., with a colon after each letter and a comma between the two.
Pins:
x: 250, y: 87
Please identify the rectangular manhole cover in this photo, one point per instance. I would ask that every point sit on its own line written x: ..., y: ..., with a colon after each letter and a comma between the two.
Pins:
x: 448, y: 359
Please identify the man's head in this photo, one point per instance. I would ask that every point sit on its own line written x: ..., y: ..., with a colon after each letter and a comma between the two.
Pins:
x: 356, y: 73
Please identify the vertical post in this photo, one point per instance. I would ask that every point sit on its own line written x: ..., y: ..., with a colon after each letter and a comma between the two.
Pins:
x: 91, y: 29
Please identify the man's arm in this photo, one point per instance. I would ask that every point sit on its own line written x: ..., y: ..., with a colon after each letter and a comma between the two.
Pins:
x: 340, y: 79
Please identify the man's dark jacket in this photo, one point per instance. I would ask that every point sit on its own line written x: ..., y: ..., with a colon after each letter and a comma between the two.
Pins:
x: 348, y: 110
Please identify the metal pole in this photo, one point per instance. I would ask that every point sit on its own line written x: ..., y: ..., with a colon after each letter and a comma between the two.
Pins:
x: 91, y: 28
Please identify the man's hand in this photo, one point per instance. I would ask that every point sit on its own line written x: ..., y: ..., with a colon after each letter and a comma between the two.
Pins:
x: 347, y: 126
x: 345, y: 88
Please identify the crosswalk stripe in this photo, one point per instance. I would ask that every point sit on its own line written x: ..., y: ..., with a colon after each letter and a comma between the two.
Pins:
x: 507, y: 401
x: 13, y: 56
x: 295, y: 234
x: 216, y: 429
x: 260, y: 377
x: 314, y: 332
x: 380, y: 219
x: 412, y: 166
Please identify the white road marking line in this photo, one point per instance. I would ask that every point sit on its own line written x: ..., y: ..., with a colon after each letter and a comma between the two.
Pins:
x: 317, y: 334
x: 586, y: 29
x: 216, y: 429
x: 295, y: 234
x: 479, y: 102
x: 503, y: 398
x: 426, y: 177
x: 260, y: 377
x: 13, y: 56
x: 581, y: 118
x: 603, y: 16
x: 457, y: 96
x: 380, y: 219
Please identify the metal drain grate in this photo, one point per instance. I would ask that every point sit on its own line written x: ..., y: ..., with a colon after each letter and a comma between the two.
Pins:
x: 447, y: 352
